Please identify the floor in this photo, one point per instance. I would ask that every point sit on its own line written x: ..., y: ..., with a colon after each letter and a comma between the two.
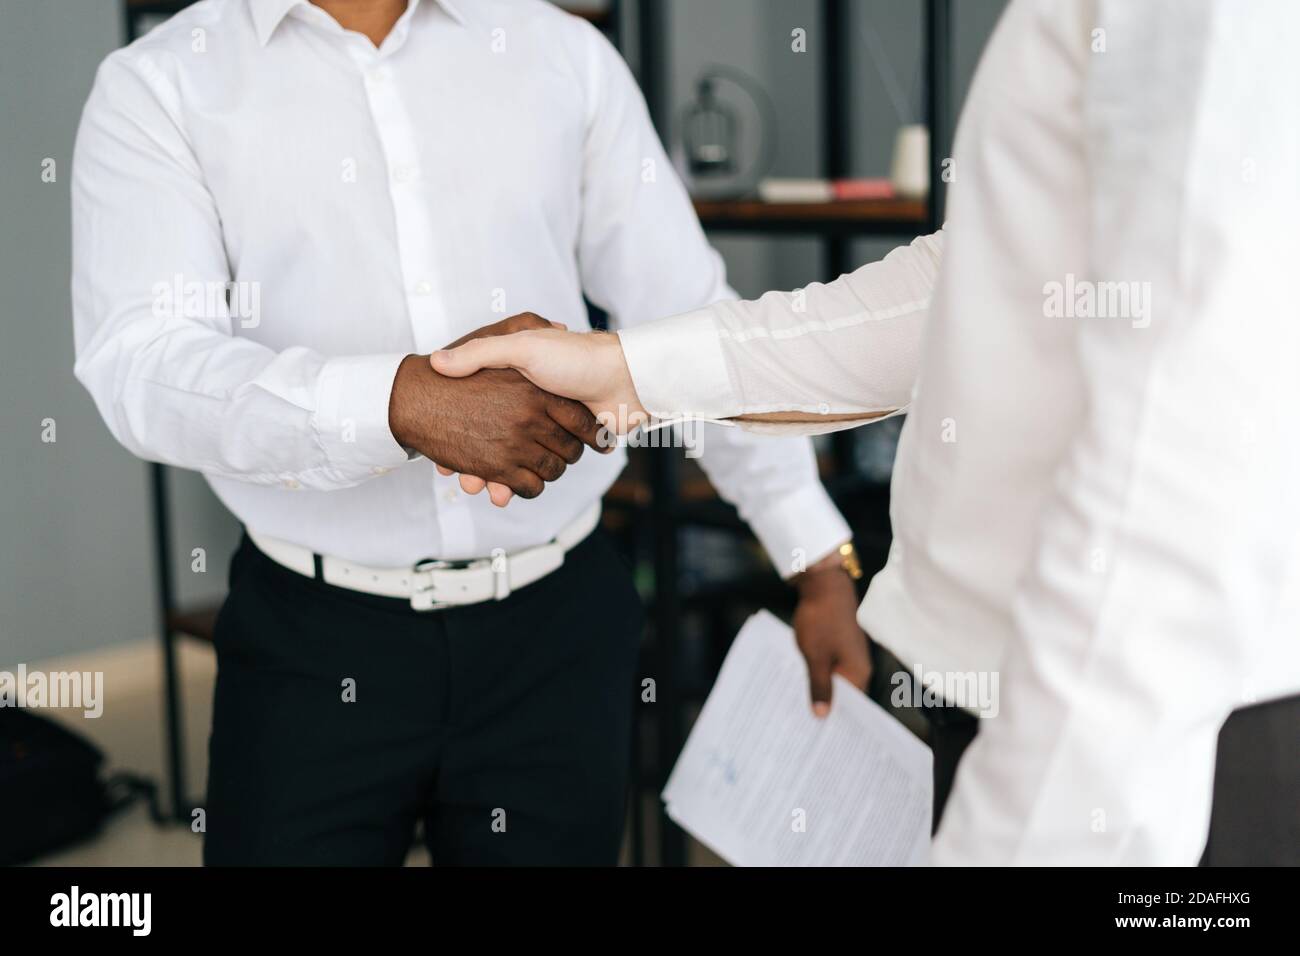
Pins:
x: 130, y: 732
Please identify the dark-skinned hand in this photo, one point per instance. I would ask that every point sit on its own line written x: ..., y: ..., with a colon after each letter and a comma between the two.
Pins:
x: 495, y: 423
x: 826, y: 630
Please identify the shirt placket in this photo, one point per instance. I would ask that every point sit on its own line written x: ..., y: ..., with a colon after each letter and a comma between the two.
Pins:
x: 416, y: 248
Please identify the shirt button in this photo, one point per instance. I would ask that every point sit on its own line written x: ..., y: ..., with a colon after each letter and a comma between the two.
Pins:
x: 380, y: 74
x: 450, y: 494
x: 379, y: 470
x: 423, y: 288
x: 292, y: 484
x: 404, y: 174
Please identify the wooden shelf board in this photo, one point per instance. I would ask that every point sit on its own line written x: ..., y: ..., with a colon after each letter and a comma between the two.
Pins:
x: 758, y: 213
x: 596, y: 15
x: 593, y: 15
x: 198, y: 622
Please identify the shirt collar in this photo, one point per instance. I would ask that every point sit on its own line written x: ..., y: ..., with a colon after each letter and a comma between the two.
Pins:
x: 268, y: 14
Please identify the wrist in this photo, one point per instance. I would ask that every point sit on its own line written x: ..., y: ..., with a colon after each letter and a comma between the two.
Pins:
x: 833, y: 572
x: 404, y: 418
x: 678, y: 368
x: 611, y: 359
x: 350, y: 421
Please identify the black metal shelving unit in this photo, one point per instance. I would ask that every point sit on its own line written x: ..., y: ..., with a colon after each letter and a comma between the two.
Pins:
x: 836, y: 224
x: 661, y: 513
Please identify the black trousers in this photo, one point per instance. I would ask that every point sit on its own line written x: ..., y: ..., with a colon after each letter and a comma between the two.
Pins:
x: 342, y: 720
x: 1255, y: 814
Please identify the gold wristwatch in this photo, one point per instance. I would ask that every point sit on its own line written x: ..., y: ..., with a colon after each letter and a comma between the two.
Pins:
x: 849, y: 561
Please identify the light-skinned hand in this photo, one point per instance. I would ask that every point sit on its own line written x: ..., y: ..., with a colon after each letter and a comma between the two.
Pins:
x: 586, y: 366
x: 495, y: 424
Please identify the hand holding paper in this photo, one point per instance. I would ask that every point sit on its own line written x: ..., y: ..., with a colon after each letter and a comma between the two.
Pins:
x: 762, y: 782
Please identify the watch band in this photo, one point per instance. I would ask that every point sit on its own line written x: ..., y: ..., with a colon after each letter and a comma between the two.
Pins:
x: 849, y: 561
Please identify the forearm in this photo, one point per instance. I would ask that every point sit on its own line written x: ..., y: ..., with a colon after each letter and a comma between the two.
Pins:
x: 828, y: 355
x: 178, y: 393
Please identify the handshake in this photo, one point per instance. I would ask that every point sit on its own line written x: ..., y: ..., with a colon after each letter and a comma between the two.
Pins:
x: 510, y: 406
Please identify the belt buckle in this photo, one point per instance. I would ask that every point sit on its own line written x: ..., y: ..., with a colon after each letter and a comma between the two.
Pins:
x: 419, y: 601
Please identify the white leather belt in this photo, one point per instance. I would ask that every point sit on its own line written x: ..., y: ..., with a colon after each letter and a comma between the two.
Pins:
x: 431, y: 584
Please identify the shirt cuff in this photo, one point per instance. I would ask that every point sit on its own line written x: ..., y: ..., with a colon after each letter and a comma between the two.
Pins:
x: 678, y: 367
x: 800, y: 529
x: 352, y: 396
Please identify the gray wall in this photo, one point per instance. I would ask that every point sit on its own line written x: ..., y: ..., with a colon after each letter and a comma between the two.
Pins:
x: 75, y: 534
x: 75, y: 548
x: 754, y: 36
x: 899, y: 28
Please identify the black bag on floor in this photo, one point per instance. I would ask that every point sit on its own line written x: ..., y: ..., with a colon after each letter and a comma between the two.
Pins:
x: 51, y: 792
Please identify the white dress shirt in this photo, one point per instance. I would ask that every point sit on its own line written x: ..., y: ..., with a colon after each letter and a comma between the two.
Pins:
x: 1099, y: 503
x: 489, y: 157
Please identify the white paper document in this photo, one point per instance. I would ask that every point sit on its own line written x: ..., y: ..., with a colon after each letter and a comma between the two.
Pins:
x: 762, y: 782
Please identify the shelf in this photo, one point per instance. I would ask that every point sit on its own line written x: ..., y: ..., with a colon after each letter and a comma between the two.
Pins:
x: 846, y: 217
x: 635, y: 492
x: 162, y: 8
x: 600, y: 17
x: 198, y: 623
x: 697, y: 502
